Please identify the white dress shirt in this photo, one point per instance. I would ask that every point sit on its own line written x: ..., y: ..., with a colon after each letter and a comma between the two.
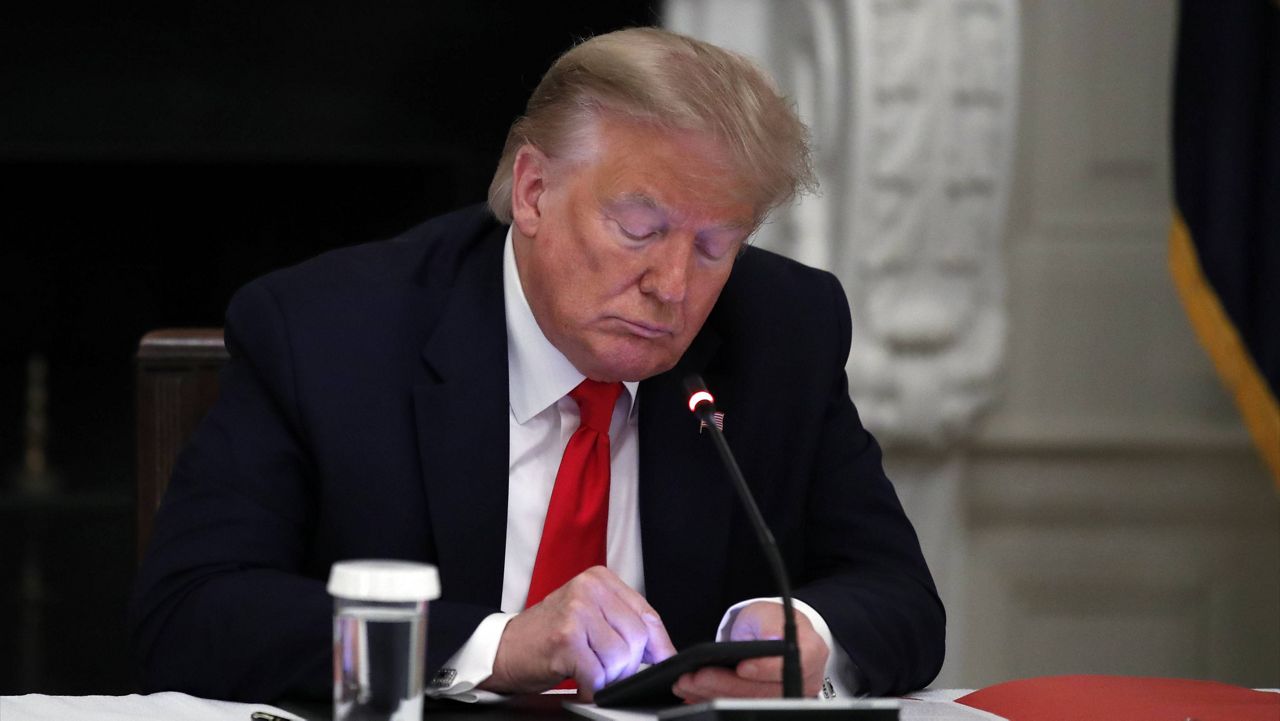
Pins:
x: 541, y: 419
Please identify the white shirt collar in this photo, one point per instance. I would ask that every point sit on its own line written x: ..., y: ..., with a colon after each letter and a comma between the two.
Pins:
x: 538, y: 374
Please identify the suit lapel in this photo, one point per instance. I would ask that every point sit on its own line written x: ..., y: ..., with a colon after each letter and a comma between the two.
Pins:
x: 461, y: 414
x: 685, y: 503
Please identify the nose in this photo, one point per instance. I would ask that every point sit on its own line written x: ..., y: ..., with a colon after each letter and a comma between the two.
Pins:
x: 667, y: 275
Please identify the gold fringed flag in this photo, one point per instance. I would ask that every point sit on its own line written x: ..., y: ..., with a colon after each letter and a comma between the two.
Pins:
x: 1224, y: 247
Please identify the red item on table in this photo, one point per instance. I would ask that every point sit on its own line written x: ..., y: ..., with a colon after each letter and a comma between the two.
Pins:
x: 1123, y: 698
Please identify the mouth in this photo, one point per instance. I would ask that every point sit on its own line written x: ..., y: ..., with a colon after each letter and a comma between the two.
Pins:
x: 645, y: 330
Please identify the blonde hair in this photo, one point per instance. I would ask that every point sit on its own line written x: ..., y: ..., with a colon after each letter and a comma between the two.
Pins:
x: 672, y: 82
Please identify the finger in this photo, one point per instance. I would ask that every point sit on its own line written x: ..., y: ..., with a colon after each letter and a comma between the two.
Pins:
x: 758, y: 621
x: 719, y: 682
x: 813, y: 661
x: 600, y: 616
x: 658, y: 646
x: 682, y: 690
x: 714, y: 682
x: 612, y: 651
x: 768, y: 668
x: 587, y: 672
x: 745, y: 626
x: 631, y: 628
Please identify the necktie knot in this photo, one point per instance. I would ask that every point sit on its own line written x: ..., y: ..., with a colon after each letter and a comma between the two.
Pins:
x: 595, y: 402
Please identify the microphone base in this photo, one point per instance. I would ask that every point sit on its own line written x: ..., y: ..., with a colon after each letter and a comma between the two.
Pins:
x: 783, y: 709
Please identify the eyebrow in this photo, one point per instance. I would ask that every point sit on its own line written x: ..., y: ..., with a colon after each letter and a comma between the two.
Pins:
x: 634, y: 199
x: 644, y: 201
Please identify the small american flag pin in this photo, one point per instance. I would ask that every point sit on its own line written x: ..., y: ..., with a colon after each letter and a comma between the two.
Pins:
x: 716, y: 418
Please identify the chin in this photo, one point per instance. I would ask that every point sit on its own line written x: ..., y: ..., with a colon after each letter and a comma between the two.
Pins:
x: 629, y: 359
x: 633, y: 369
x: 627, y: 373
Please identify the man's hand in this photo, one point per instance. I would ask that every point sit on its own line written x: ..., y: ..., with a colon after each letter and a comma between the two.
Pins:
x: 759, y: 677
x: 594, y: 629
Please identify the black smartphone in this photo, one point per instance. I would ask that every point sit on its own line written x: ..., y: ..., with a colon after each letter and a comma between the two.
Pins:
x: 652, y: 686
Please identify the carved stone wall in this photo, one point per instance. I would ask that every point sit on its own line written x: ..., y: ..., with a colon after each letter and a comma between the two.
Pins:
x: 912, y: 108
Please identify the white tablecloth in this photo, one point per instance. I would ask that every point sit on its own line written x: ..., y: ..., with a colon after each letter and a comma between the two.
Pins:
x: 168, y: 706
x: 928, y: 705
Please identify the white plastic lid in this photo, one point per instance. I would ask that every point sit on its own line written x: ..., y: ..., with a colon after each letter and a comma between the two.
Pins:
x: 391, y: 581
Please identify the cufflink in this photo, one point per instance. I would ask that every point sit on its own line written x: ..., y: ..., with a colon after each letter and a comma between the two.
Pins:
x: 828, y: 691
x: 716, y: 418
x: 444, y: 678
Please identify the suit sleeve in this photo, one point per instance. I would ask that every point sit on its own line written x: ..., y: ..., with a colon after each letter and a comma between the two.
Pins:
x: 229, y: 602
x: 863, y: 569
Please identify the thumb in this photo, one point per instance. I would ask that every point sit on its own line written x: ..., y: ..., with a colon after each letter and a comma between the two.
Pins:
x: 759, y: 621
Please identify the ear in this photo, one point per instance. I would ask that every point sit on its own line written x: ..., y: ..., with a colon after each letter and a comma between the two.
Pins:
x: 528, y: 183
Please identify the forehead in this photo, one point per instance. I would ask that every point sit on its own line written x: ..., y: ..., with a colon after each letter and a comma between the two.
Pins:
x: 678, y: 172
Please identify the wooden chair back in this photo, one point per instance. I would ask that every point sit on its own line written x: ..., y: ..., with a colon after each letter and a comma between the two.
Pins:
x: 177, y: 382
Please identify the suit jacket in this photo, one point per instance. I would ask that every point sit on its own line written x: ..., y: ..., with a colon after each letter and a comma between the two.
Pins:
x: 363, y: 414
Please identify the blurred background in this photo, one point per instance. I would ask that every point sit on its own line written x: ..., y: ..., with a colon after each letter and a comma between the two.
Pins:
x: 997, y: 195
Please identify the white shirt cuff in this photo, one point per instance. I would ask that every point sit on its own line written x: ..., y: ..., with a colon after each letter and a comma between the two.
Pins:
x: 839, y: 671
x: 472, y: 664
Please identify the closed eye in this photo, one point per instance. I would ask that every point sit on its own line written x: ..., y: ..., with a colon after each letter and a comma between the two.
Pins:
x: 717, y: 246
x: 638, y: 233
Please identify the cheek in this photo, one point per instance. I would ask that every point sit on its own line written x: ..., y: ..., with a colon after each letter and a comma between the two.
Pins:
x: 609, y: 271
x: 705, y: 291
x: 591, y: 263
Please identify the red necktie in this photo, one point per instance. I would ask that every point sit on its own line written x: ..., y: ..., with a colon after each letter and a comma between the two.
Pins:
x: 573, y: 537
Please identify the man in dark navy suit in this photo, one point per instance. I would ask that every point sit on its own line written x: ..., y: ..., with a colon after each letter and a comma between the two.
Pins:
x: 497, y: 392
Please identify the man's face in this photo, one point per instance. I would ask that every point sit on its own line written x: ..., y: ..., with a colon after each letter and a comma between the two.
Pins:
x: 623, y: 254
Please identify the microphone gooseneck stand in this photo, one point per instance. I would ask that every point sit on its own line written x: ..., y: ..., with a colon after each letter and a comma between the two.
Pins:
x: 703, y: 406
x: 792, y: 705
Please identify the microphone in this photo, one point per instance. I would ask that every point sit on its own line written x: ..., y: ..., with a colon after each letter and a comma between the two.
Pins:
x: 703, y: 405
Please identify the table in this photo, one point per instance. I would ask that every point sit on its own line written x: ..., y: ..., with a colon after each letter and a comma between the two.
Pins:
x: 928, y: 705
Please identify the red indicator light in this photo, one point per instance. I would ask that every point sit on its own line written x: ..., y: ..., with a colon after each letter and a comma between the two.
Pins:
x: 698, y: 398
